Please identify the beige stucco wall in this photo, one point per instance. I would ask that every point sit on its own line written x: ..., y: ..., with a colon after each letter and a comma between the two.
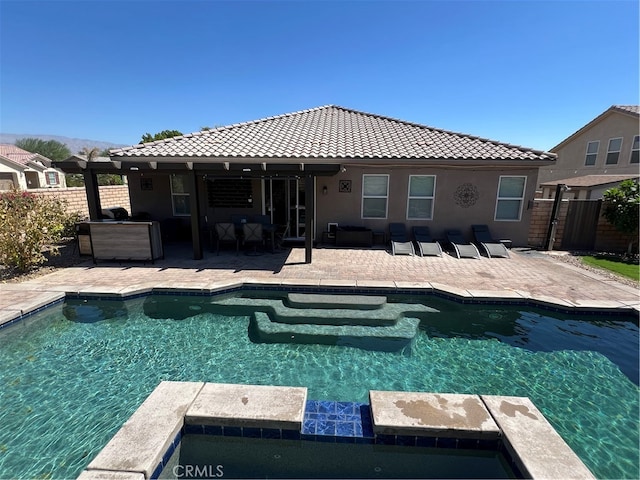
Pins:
x: 157, y: 202
x: 345, y: 208
x: 572, y: 155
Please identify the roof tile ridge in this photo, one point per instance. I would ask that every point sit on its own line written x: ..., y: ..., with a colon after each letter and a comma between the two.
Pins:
x: 272, y: 117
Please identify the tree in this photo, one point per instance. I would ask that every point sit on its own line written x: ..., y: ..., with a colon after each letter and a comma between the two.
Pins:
x: 90, y: 152
x: 622, y: 209
x: 147, y: 137
x: 51, y: 149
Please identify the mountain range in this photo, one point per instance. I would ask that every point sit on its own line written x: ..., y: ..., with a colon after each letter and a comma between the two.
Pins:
x: 73, y: 144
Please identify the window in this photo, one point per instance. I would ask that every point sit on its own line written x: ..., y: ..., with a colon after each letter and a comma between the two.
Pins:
x: 592, y: 153
x: 52, y: 178
x: 375, y: 191
x: 420, y: 198
x: 635, y: 150
x: 510, y: 198
x: 613, y: 152
x: 180, y: 196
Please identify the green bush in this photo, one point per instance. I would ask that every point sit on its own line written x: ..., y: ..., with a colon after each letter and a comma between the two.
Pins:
x: 28, y: 224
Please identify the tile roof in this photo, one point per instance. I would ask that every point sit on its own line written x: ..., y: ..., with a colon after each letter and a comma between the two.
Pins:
x: 591, y: 180
x: 331, y: 132
x: 635, y: 109
x: 16, y: 154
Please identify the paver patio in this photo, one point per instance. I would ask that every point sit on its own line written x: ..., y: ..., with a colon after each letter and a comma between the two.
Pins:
x: 527, y: 274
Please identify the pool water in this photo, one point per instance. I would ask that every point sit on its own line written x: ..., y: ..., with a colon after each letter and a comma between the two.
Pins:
x: 232, y: 457
x: 72, y: 375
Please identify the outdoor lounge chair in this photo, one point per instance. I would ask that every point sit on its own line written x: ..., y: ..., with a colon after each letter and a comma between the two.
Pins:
x: 400, y: 244
x: 226, y: 232
x: 426, y: 244
x: 493, y: 248
x: 462, y: 247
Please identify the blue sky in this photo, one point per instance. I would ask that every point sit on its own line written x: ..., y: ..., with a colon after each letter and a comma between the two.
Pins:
x: 522, y: 72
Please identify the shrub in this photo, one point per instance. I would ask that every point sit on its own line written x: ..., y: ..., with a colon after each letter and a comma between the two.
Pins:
x: 28, y: 224
x: 622, y: 208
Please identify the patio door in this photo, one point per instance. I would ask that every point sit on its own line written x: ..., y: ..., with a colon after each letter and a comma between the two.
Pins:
x: 285, y: 202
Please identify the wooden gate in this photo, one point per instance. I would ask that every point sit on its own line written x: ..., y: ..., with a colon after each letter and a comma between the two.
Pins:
x: 581, y: 225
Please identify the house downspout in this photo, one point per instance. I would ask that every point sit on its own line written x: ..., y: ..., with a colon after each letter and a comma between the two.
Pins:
x: 553, y: 221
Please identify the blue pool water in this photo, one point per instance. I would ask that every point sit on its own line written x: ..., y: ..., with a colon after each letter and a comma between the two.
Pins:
x: 72, y: 375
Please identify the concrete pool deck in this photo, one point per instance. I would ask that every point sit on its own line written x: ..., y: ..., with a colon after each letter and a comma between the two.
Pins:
x: 526, y: 275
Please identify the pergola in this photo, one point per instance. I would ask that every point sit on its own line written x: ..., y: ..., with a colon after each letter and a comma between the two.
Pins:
x: 195, y: 168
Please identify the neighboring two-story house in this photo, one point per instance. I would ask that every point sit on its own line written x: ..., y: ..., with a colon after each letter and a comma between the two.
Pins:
x: 26, y: 170
x: 603, y: 152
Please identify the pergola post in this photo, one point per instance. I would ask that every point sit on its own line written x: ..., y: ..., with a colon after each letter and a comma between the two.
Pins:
x: 93, y: 195
x: 194, y: 205
x: 308, y: 219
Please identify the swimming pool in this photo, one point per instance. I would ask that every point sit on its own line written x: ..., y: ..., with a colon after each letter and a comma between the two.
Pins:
x: 72, y: 375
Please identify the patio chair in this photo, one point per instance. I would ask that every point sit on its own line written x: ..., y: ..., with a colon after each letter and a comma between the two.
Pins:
x: 268, y: 229
x: 253, y: 235
x: 239, y: 220
x: 426, y: 244
x: 226, y: 232
x: 400, y: 244
x: 462, y: 247
x: 493, y: 248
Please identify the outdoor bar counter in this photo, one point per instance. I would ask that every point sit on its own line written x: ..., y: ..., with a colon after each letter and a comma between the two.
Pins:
x: 125, y: 240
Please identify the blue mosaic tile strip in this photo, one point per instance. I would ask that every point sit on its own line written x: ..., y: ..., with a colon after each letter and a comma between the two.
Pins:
x: 167, y: 455
x: 339, y: 420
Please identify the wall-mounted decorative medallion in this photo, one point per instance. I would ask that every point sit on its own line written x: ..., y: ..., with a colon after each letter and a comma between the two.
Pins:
x: 466, y: 195
x: 345, y: 186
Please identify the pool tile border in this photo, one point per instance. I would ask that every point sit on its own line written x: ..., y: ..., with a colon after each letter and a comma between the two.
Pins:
x: 513, y: 298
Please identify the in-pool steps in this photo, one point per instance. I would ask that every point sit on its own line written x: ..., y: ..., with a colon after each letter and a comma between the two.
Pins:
x: 394, y: 337
x: 369, y: 323
x: 354, y: 302
x: 386, y: 314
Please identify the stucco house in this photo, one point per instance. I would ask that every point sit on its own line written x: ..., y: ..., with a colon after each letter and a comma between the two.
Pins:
x: 26, y: 170
x: 330, y: 164
x: 607, y: 145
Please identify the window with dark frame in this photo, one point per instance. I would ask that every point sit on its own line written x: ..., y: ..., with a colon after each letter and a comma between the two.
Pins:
x: 230, y: 192
x: 635, y: 150
x: 613, y: 152
x: 592, y: 153
x: 52, y: 178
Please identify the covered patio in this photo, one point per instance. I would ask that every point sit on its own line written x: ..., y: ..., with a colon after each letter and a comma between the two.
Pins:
x: 199, y: 172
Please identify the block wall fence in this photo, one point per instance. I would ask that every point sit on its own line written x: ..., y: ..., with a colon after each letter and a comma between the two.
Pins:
x: 76, y: 197
x: 608, y: 239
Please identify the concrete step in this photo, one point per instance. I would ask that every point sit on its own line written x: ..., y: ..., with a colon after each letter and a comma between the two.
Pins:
x: 387, y: 314
x: 396, y: 337
x: 354, y: 302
